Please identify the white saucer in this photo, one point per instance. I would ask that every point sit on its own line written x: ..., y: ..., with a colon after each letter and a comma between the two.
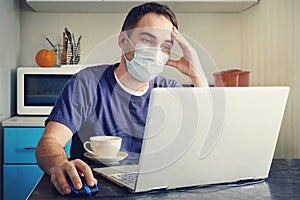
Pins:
x: 107, y: 160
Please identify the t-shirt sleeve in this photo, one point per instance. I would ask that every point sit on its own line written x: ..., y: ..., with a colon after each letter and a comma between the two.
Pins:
x: 74, y: 102
x: 161, y: 81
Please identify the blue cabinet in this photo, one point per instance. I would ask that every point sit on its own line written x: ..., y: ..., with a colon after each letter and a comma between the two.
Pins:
x: 19, y: 180
x: 20, y: 170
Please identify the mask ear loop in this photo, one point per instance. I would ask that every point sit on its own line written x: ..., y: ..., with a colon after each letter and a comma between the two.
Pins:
x: 137, y: 46
x: 124, y: 56
x: 127, y: 38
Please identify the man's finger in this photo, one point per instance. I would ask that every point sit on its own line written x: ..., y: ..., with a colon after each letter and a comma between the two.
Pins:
x: 86, y: 170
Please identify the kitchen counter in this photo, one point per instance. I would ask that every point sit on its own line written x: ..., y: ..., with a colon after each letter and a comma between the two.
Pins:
x: 25, y: 121
x: 283, y: 183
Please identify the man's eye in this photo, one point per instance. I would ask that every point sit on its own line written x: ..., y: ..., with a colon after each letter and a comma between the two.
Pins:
x: 147, y: 41
x: 166, y: 48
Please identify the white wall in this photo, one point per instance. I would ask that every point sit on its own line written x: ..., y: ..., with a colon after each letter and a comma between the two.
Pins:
x: 270, y: 46
x: 9, y: 60
x: 296, y: 76
x: 9, y: 54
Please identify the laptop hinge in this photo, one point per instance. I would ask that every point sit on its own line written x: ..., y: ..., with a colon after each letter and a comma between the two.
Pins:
x: 160, y: 187
x: 247, y: 179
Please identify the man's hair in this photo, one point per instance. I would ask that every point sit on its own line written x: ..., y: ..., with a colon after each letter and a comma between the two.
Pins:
x: 136, y: 13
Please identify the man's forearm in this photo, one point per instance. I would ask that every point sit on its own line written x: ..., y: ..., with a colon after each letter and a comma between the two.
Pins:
x: 50, y: 154
x: 198, y: 82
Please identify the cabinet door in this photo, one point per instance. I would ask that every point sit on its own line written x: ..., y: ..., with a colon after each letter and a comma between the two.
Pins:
x: 20, y: 144
x: 19, y: 180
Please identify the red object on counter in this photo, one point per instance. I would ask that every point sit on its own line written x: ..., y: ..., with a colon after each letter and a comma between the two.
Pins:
x: 231, y: 78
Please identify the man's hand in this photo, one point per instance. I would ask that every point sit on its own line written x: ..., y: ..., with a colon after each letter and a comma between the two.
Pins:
x: 52, y: 158
x: 73, y: 169
x: 189, y: 63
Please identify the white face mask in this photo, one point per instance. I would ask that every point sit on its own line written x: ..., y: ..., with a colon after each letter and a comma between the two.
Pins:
x: 147, y: 63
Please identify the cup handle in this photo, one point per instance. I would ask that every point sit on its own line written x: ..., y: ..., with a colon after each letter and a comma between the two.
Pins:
x: 87, y: 149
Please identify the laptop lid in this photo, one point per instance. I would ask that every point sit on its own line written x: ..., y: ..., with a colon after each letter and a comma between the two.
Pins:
x: 200, y: 136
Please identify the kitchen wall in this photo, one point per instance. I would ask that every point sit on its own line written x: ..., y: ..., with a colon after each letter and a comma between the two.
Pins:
x: 264, y: 39
x: 101, y: 29
x: 9, y: 54
x: 297, y: 74
x: 270, y: 48
x: 9, y: 60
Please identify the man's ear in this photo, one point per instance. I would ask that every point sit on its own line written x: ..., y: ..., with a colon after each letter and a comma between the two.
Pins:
x: 122, y: 40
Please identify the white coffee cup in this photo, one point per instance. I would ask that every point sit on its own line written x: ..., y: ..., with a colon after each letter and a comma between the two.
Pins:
x: 104, y: 146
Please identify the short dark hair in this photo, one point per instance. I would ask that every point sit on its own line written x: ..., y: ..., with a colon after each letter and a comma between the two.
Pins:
x: 136, y: 13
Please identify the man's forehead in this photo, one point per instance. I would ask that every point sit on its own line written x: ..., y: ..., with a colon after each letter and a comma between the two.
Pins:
x: 158, y: 33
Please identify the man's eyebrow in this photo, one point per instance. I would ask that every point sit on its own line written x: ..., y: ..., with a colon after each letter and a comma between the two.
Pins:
x: 154, y: 37
x: 148, y: 34
x: 170, y: 41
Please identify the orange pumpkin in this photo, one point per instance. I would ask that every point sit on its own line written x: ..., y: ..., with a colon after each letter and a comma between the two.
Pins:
x: 45, y: 58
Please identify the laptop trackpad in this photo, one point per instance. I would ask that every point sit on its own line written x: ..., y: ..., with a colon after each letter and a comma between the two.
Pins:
x: 117, y: 169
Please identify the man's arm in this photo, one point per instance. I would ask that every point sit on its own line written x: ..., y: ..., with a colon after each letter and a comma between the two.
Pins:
x: 52, y: 158
x: 50, y: 149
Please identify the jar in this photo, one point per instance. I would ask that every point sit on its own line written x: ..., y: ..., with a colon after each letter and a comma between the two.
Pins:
x: 232, y: 78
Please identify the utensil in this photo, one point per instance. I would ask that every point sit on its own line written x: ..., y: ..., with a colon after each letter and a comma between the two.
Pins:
x: 77, y: 54
x: 74, y: 49
x: 78, y: 41
x: 54, y: 48
x: 63, y: 59
x: 71, y: 44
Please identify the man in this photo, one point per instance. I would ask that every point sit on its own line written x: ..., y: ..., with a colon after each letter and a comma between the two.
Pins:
x: 113, y: 99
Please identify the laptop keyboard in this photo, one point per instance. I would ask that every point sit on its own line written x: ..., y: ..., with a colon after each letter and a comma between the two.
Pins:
x: 128, y: 179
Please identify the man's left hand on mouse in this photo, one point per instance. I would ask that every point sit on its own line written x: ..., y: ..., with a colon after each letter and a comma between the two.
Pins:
x: 70, y: 168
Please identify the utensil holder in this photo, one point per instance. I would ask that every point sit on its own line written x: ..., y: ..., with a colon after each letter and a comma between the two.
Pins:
x: 57, y: 51
x: 72, y: 54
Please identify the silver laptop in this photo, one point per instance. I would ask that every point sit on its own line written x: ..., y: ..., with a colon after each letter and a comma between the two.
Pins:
x: 203, y: 136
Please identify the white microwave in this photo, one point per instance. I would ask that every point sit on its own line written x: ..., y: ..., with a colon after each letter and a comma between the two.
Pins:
x: 38, y: 88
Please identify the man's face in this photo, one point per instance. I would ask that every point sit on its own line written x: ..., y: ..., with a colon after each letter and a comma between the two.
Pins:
x: 152, y: 30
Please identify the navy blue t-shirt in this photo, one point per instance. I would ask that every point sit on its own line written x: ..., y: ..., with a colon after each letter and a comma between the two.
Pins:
x: 92, y: 103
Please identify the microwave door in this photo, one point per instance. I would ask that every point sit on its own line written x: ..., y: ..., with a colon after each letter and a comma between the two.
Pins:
x: 41, y: 92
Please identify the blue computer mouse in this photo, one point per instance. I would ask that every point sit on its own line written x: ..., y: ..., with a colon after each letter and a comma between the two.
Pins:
x: 85, y: 189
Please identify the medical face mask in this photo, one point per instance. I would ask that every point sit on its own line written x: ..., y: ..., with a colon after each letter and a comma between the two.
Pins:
x: 147, y: 63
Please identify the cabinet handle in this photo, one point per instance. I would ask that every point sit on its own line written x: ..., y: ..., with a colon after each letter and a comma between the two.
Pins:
x: 29, y: 147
